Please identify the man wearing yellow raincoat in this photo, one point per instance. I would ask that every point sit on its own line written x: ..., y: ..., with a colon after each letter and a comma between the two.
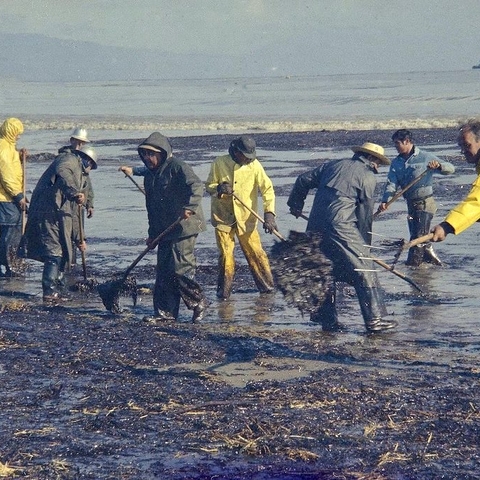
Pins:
x: 241, y: 174
x: 12, y: 200
x: 467, y: 212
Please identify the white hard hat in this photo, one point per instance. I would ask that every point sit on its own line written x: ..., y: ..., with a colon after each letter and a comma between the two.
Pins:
x: 90, y: 153
x: 80, y: 134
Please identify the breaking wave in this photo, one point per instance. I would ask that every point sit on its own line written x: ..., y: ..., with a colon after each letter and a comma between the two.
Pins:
x: 215, y: 126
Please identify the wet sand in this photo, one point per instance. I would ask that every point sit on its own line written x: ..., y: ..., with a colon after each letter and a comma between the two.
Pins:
x: 255, y: 391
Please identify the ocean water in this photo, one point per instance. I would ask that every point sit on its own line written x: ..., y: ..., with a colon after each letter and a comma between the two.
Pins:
x: 273, y: 104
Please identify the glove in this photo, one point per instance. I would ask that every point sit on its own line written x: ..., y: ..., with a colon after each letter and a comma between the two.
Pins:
x: 224, y: 189
x: 269, y: 224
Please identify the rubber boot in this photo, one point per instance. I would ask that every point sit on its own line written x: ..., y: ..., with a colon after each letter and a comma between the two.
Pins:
x: 192, y: 294
x: 10, y: 236
x: 224, y: 285
x: 430, y: 256
x: 415, y: 256
x: 326, y: 315
x: 419, y: 225
x: 50, y: 279
x: 373, y: 309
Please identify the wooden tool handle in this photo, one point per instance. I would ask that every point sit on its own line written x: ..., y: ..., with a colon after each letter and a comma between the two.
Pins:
x: 253, y: 212
x: 418, y: 241
x: 82, y: 239
x: 155, y: 242
x: 134, y: 182
x: 401, y: 192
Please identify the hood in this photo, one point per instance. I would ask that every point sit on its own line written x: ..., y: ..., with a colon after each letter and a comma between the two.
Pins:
x: 10, y: 128
x: 158, y: 141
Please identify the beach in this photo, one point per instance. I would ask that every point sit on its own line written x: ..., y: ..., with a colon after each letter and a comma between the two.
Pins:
x: 255, y: 391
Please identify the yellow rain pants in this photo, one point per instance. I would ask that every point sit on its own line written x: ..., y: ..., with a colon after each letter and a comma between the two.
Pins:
x: 254, y: 253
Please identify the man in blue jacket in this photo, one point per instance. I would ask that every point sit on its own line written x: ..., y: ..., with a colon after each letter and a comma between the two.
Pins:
x: 410, y: 163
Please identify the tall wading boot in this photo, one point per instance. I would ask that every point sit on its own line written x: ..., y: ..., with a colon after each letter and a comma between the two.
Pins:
x: 10, y: 236
x: 257, y: 260
x: 326, y: 314
x: 193, y: 296
x: 224, y: 285
x: 373, y: 309
x: 50, y: 280
x: 226, y: 263
x: 415, y: 256
x: 419, y: 225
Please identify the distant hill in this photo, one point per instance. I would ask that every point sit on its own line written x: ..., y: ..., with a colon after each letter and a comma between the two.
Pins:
x: 41, y: 58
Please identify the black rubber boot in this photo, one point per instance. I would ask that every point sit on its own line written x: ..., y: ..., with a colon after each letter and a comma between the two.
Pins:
x: 327, y: 316
x: 377, y: 325
x: 50, y: 278
x: 419, y: 225
x: 415, y: 256
x: 373, y: 309
x: 224, y: 288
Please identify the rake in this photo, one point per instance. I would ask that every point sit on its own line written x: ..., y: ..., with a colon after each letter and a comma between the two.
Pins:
x: 110, y: 291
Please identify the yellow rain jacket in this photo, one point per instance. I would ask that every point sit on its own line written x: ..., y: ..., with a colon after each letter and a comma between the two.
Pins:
x: 467, y: 212
x: 11, y: 173
x: 247, y: 181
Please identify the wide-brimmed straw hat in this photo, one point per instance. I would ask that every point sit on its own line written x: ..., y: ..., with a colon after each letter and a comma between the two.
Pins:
x: 375, y: 150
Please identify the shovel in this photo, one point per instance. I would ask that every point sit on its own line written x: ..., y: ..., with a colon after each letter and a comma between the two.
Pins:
x: 110, y: 291
x: 391, y: 268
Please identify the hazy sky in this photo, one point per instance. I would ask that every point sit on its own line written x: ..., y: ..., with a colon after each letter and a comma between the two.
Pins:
x: 341, y: 36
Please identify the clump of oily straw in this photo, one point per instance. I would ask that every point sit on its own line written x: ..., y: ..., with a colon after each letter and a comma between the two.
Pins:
x: 302, y: 272
x: 110, y: 292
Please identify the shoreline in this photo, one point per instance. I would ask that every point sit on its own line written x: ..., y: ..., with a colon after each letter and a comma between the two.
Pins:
x: 307, y: 139
x: 190, y: 147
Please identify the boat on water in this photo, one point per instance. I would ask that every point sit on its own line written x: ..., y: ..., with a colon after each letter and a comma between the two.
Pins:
x: 476, y: 66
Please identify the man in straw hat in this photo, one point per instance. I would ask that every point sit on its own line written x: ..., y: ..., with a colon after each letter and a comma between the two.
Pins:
x: 342, y: 212
x: 410, y: 163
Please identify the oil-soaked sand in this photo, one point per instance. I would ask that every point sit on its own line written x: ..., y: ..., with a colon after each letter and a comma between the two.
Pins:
x: 255, y: 391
